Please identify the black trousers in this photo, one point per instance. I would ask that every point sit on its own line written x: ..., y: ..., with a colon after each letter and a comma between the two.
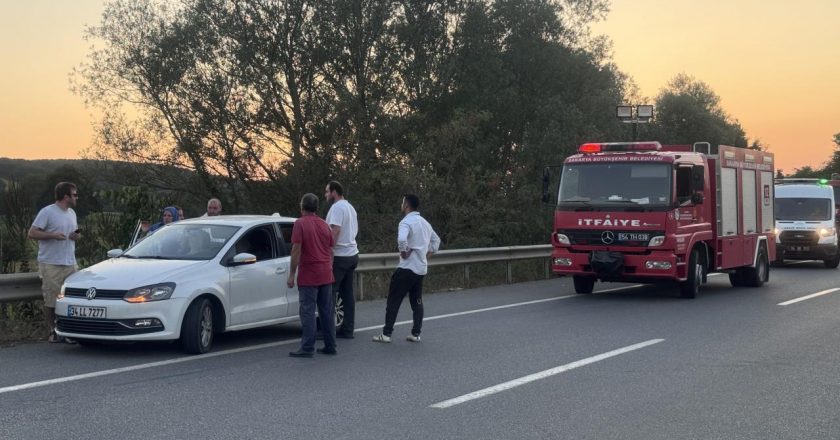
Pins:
x: 403, y: 282
x: 343, y: 270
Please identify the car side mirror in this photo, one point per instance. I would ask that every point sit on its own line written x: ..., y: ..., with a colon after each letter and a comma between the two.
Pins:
x: 697, y: 198
x: 243, y: 259
x: 114, y: 253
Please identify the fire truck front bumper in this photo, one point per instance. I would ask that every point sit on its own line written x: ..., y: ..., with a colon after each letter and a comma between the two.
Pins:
x: 610, y: 265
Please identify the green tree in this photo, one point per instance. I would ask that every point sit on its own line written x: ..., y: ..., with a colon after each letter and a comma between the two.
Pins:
x: 688, y: 111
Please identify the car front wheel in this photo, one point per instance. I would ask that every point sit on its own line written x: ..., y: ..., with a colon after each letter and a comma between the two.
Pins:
x: 197, y: 330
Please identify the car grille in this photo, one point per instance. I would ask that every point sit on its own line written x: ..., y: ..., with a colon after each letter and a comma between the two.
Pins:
x: 801, y: 238
x: 105, y: 327
x: 594, y: 237
x: 76, y: 292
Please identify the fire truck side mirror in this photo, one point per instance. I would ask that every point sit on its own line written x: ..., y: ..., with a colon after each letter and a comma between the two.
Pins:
x: 697, y: 198
x: 546, y: 183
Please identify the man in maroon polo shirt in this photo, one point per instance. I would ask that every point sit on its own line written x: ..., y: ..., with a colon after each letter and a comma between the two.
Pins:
x: 312, y: 243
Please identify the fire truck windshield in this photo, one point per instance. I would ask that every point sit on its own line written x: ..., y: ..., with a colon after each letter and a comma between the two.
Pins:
x: 615, y: 186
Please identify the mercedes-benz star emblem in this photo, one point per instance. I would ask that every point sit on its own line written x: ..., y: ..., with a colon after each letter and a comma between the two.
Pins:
x: 607, y: 237
x: 91, y: 293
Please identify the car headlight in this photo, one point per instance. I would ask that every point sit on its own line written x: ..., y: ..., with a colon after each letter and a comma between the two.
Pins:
x: 155, y: 292
x: 777, y: 231
x: 60, y: 293
x: 656, y: 241
x: 826, y: 232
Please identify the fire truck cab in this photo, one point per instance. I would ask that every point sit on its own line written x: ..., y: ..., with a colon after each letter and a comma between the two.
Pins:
x: 644, y: 212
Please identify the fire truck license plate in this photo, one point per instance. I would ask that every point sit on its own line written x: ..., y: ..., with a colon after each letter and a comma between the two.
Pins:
x: 633, y: 236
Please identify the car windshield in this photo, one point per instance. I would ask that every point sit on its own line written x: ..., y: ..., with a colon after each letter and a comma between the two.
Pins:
x: 803, y: 209
x: 616, y: 185
x: 179, y: 241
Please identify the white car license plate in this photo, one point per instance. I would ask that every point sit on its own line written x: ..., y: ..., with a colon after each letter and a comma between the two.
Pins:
x: 85, y: 312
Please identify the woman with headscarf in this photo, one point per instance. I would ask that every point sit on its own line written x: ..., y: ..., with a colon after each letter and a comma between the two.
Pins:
x: 169, y: 215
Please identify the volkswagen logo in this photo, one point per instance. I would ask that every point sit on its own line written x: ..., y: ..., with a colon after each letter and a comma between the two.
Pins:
x: 91, y: 293
x: 607, y: 237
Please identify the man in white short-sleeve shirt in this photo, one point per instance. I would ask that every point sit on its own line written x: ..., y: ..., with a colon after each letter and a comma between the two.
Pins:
x: 56, y: 230
x: 344, y: 225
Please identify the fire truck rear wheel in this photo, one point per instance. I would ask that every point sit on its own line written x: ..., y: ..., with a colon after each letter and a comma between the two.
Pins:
x: 583, y: 285
x: 691, y: 286
x: 758, y: 275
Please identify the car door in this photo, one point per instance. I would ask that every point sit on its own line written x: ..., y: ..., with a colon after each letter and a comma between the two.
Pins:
x: 258, y: 290
x: 284, y: 238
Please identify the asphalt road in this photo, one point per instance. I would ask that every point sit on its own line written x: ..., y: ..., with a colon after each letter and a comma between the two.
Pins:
x: 524, y: 361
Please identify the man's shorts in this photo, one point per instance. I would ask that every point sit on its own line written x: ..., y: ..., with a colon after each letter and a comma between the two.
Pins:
x: 52, y: 277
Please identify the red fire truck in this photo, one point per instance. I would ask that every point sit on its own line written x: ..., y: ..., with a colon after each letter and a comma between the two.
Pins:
x: 644, y: 212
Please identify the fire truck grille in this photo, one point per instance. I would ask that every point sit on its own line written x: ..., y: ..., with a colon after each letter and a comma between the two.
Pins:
x: 801, y: 238
x: 610, y: 237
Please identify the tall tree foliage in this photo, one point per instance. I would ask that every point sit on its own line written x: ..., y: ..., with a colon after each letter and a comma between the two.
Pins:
x: 462, y: 101
x: 688, y: 111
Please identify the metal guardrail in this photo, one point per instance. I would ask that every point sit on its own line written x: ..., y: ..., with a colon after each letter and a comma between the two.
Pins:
x: 27, y: 286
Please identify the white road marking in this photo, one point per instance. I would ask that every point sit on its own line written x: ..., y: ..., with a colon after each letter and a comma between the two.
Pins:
x: 541, y: 375
x: 179, y: 360
x: 807, y: 297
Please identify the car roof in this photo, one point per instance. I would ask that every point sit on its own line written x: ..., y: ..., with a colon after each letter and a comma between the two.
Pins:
x: 238, y: 220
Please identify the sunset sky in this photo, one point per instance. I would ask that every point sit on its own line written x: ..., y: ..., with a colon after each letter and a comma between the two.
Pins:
x: 774, y: 63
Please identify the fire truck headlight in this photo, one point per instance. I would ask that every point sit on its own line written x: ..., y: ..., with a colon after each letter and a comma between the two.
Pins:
x: 826, y: 232
x: 562, y: 261
x: 656, y: 241
x: 562, y: 238
x: 661, y: 265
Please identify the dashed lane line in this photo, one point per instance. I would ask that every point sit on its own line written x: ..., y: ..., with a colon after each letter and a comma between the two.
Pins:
x: 541, y: 375
x: 807, y: 297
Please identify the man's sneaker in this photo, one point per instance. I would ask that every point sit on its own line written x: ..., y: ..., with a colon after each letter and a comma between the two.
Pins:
x: 412, y: 338
x: 382, y: 338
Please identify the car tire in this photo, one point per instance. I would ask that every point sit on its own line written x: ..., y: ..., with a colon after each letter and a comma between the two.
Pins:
x: 197, y: 329
x: 583, y: 285
x: 691, y: 286
x: 758, y: 275
x: 833, y: 262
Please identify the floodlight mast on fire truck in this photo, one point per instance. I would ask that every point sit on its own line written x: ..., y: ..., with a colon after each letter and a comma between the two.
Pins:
x: 644, y: 212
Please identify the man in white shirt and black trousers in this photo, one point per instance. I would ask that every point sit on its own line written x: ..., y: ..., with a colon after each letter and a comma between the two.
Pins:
x: 416, y: 241
x: 345, y: 226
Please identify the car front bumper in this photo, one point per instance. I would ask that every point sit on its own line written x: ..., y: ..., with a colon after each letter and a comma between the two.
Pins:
x: 123, y: 321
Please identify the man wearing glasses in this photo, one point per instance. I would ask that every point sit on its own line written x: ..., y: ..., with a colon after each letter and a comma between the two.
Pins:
x: 56, y: 230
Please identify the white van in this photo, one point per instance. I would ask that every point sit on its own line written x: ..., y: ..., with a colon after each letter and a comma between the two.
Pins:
x: 805, y: 222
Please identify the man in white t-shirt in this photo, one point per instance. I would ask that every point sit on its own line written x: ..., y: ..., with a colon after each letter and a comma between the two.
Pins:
x: 344, y: 225
x: 56, y: 230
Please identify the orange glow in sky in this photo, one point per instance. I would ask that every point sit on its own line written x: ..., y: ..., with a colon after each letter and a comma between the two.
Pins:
x: 774, y: 63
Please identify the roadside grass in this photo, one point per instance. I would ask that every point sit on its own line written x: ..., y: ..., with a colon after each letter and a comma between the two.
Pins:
x: 22, y: 321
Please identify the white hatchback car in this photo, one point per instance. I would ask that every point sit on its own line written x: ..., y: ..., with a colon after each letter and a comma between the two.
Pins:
x: 187, y: 281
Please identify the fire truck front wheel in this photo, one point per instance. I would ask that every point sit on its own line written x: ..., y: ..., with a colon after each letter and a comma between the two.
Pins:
x: 583, y: 285
x: 691, y: 286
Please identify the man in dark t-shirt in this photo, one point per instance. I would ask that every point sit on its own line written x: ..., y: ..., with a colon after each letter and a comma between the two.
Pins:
x: 312, y: 243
